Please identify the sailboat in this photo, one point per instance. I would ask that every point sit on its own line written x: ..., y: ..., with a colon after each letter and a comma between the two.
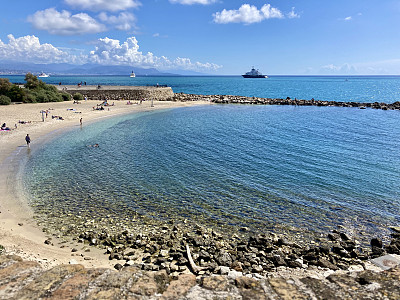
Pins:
x: 133, y: 74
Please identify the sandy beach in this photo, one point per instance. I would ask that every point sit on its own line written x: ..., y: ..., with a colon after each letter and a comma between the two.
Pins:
x: 19, y: 233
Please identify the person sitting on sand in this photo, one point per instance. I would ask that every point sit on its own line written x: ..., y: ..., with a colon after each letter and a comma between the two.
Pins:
x: 4, y: 127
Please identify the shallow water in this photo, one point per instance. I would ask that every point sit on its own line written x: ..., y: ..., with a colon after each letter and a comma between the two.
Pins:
x: 310, y: 168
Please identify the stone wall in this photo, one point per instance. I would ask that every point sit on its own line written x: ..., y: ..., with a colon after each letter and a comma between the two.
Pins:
x: 27, y: 280
x: 121, y: 92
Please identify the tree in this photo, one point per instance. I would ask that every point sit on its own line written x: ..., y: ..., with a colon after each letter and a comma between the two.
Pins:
x: 32, y: 81
x: 5, y: 86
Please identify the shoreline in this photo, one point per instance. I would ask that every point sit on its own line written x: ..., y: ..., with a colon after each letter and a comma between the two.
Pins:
x: 19, y: 233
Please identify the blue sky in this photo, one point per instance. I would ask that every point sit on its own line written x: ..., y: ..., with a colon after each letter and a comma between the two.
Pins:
x: 218, y: 37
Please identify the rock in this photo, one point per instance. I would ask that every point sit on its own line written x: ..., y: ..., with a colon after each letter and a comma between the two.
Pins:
x: 294, y: 264
x: 344, y: 236
x: 150, y: 283
x: 375, y: 242
x: 286, y: 289
x: 327, y: 264
x: 118, y: 266
x: 278, y: 261
x: 224, y: 270
x: 250, y: 288
x: 163, y: 253
x: 74, y: 250
x: 215, y: 283
x: 179, y: 287
x: 237, y: 266
x: 395, y: 228
x: 377, y: 251
x: 224, y: 259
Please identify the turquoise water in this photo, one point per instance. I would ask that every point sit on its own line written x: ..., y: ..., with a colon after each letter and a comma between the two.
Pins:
x: 332, y: 88
x: 310, y: 168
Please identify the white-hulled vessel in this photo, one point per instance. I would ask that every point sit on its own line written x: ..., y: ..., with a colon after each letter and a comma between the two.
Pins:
x: 132, y: 75
x: 254, y: 74
x: 43, y: 75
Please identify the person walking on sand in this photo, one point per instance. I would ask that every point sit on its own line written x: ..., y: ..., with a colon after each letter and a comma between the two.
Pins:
x: 28, y: 140
x: 80, y: 121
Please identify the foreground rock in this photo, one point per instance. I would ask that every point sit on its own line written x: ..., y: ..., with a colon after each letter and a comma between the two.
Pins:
x: 27, y: 280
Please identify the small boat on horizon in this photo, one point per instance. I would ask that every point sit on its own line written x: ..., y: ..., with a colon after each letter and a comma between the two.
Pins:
x: 132, y: 75
x: 43, y: 75
x: 254, y: 74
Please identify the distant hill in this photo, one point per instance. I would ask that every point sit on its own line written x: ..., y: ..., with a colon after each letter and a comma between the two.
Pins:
x: 17, y: 68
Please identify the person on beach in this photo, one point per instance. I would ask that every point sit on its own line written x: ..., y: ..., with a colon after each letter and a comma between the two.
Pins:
x: 28, y: 140
x: 80, y: 121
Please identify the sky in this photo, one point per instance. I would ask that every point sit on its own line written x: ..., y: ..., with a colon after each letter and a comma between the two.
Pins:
x: 217, y: 37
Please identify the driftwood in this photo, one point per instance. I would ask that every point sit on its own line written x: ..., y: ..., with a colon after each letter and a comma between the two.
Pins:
x: 195, y: 268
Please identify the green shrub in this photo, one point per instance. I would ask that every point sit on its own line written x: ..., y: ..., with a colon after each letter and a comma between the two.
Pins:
x: 16, y: 94
x: 41, y: 96
x: 78, y: 96
x: 66, y: 96
x: 30, y: 97
x: 38, y: 91
x: 4, y: 100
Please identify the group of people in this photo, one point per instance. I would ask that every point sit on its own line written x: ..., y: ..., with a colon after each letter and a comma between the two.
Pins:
x: 130, y: 103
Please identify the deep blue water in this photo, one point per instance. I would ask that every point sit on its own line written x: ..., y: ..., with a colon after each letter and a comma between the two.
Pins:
x: 335, y: 88
x: 257, y: 166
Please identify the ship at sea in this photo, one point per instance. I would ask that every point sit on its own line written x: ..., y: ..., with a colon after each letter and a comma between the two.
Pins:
x: 42, y: 75
x: 254, y: 74
x: 132, y: 75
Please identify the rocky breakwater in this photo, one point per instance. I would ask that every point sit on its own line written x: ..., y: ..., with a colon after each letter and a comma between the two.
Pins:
x: 228, y: 99
x: 179, y: 249
x: 136, y: 93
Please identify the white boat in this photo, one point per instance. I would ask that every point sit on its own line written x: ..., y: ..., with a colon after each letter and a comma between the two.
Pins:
x: 43, y: 75
x: 254, y: 74
x: 133, y: 74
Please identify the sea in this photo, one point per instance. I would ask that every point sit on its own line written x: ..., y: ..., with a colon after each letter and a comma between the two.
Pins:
x: 244, y: 166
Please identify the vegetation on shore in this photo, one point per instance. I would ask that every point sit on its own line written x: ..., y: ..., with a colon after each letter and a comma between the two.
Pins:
x: 34, y: 91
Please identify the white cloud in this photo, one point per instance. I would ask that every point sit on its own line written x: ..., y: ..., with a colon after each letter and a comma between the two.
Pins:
x: 112, y: 52
x: 348, y: 18
x: 247, y: 14
x: 107, y: 52
x: 29, y: 49
x: 63, y: 23
x: 292, y: 14
x: 344, y: 69
x: 124, y: 21
x: 104, y: 5
x: 190, y: 2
